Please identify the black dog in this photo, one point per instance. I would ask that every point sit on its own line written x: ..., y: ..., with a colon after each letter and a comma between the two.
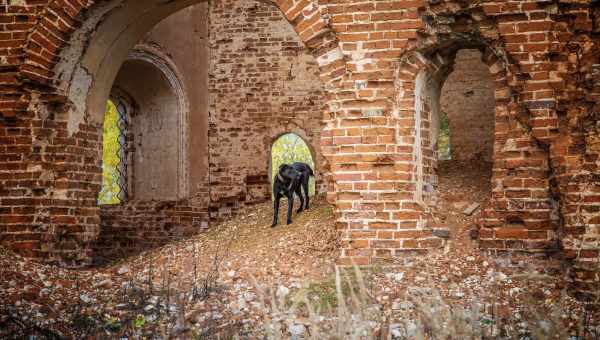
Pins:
x: 291, y: 179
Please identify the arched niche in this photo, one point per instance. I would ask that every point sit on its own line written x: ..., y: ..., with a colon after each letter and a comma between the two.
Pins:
x: 158, y: 126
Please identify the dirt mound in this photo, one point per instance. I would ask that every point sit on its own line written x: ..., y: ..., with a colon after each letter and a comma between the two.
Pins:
x: 224, y: 282
x: 51, y: 301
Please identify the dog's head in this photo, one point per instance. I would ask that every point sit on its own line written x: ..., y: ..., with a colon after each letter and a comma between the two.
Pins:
x: 287, y: 173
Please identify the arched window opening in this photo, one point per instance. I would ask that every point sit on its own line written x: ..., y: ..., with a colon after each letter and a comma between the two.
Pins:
x: 290, y: 148
x: 157, y: 167
x: 114, y: 165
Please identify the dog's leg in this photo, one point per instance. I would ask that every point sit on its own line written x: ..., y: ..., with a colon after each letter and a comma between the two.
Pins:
x: 290, y: 197
x: 299, y: 193
x: 305, y: 187
x: 276, y: 209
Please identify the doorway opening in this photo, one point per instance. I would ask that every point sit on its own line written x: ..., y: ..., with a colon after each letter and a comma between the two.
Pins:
x: 289, y: 148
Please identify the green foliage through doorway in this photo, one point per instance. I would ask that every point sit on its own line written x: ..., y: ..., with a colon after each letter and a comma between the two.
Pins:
x: 290, y: 148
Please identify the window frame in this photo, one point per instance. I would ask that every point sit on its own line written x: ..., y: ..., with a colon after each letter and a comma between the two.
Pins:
x: 125, y: 108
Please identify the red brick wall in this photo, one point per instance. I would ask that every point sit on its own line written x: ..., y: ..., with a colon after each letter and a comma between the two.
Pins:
x: 263, y: 82
x: 541, y: 54
x: 128, y: 229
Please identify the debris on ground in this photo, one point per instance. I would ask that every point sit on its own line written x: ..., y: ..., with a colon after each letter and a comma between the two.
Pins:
x: 227, y: 282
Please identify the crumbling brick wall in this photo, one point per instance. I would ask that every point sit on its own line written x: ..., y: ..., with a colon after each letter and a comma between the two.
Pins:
x: 542, y: 55
x: 128, y: 229
x: 263, y: 82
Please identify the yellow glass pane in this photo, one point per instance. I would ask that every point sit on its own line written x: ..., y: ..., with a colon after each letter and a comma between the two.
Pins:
x: 111, y: 159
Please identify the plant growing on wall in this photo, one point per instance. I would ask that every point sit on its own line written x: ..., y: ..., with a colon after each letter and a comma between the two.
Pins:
x: 288, y: 149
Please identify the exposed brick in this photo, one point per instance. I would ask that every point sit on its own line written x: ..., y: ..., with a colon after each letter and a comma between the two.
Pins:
x: 545, y: 149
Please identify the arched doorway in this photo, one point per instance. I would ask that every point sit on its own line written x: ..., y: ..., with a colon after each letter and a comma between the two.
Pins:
x: 466, y: 118
x: 289, y: 148
x: 455, y: 111
x: 450, y: 92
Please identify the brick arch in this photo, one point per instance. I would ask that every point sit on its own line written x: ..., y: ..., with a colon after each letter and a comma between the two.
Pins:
x: 516, y: 151
x: 61, y: 18
x: 434, y: 65
x: 322, y: 170
x: 59, y: 41
x: 297, y: 130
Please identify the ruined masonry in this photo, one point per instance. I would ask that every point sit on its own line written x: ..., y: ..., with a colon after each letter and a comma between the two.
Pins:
x: 206, y: 87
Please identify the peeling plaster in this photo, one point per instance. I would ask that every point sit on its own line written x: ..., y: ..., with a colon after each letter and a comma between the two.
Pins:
x: 78, y: 93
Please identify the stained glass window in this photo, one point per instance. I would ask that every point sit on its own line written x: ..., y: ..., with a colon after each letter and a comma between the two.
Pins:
x: 114, y: 164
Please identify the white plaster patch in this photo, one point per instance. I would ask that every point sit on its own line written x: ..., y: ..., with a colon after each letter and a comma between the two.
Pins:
x: 34, y: 168
x: 372, y: 112
x: 510, y: 145
x: 78, y: 93
x: 358, y: 57
x: 329, y: 57
x: 77, y: 45
x: 333, y: 106
x: 34, y: 106
x: 417, y: 150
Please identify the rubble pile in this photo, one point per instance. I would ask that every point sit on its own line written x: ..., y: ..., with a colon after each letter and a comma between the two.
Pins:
x: 224, y: 283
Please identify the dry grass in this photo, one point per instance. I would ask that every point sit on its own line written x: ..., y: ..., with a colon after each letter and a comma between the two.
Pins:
x: 189, y: 281
x: 352, y: 312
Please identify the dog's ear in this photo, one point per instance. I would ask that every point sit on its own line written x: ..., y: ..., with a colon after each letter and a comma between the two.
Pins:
x: 281, y: 172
